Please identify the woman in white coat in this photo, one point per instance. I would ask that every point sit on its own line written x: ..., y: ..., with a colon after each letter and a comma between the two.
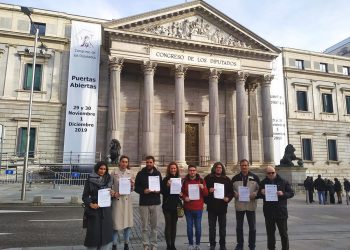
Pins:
x: 122, y: 210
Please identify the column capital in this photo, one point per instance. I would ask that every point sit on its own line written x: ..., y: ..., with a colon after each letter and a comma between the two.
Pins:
x: 149, y: 67
x: 180, y: 70
x: 115, y: 63
x: 266, y: 79
x: 242, y: 75
x: 214, y: 73
x: 252, y: 86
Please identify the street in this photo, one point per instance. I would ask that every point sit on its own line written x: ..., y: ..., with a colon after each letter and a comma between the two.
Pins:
x: 310, y: 227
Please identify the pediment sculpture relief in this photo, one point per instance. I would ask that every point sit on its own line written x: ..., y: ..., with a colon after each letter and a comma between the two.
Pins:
x: 197, y: 29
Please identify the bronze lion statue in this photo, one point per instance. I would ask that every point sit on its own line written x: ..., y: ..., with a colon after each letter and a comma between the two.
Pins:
x: 289, y: 157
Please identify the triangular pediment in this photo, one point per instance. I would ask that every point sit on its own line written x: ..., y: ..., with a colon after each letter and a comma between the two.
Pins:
x: 196, y: 22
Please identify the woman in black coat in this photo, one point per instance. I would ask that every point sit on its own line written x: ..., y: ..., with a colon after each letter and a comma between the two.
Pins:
x: 170, y: 202
x: 99, y: 233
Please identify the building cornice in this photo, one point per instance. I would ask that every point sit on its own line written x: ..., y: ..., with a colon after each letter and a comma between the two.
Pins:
x: 315, y: 73
x: 313, y: 53
x: 22, y: 36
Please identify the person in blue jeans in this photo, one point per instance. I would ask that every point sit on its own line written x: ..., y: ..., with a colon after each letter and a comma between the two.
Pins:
x: 320, y: 186
x: 193, y: 206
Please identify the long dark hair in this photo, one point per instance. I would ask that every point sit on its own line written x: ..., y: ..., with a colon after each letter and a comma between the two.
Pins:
x: 99, y: 164
x: 168, y: 169
x: 217, y: 164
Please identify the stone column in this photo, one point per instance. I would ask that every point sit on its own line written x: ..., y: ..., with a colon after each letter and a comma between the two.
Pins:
x: 231, y: 151
x: 214, y: 122
x: 180, y: 146
x: 267, y: 119
x: 242, y: 116
x: 148, y: 106
x: 255, y: 141
x: 115, y: 68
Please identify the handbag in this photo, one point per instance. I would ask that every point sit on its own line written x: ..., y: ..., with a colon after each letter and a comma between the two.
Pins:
x: 180, y: 210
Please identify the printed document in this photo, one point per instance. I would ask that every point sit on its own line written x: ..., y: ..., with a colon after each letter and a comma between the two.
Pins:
x: 271, y: 193
x: 243, y: 193
x: 175, y: 186
x: 219, y: 191
x: 154, y: 183
x: 193, y: 192
x: 124, y: 185
x: 104, y: 197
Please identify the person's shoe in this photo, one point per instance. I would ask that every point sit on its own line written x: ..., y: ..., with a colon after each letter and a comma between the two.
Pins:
x: 190, y: 247
x: 223, y: 248
x: 153, y: 248
x: 126, y: 246
x: 197, y: 247
x: 145, y: 247
x: 239, y: 248
x: 114, y: 247
x: 212, y: 248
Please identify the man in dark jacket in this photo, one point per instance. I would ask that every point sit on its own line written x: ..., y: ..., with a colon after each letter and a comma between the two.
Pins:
x: 217, y: 207
x: 309, y: 187
x: 249, y: 182
x: 148, y: 201
x: 347, y: 190
x: 275, y: 212
x: 320, y: 186
x: 338, y: 190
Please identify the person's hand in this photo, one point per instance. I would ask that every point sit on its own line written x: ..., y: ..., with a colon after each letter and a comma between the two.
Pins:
x: 168, y: 183
x: 211, y: 190
x: 262, y: 191
x: 226, y: 199
x: 180, y: 194
x: 279, y: 193
x: 187, y: 199
x: 236, y: 194
x: 94, y: 205
x: 201, y: 186
x: 132, y: 182
x: 112, y: 192
x: 146, y: 191
x: 116, y: 194
x: 252, y: 196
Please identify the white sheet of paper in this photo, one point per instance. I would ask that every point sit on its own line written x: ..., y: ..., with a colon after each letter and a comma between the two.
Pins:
x: 124, y: 185
x: 243, y: 193
x: 219, y: 190
x: 271, y: 192
x: 175, y: 186
x: 104, y: 197
x: 193, y: 192
x: 153, y: 183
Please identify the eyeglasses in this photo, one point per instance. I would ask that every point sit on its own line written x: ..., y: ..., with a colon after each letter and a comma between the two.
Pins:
x: 270, y: 173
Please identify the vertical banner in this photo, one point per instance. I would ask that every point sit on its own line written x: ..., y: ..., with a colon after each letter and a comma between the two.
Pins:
x: 278, y: 106
x: 82, y: 93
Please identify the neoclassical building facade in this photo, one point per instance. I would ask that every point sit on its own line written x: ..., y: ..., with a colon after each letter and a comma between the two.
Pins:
x: 185, y: 83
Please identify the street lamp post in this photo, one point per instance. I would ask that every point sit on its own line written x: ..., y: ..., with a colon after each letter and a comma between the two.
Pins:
x: 28, y: 12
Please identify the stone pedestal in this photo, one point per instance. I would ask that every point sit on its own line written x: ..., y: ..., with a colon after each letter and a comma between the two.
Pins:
x: 293, y: 175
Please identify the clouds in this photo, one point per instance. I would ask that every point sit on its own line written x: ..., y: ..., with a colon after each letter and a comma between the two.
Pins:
x: 311, y: 25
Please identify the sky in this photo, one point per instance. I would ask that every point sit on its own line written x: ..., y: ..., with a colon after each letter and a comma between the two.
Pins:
x: 313, y: 25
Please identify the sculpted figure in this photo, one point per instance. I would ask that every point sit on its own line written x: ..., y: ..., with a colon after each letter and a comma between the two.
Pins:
x: 114, y: 150
x: 289, y: 157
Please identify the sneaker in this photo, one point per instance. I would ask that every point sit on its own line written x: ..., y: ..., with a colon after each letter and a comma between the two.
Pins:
x: 190, y: 247
x: 197, y: 247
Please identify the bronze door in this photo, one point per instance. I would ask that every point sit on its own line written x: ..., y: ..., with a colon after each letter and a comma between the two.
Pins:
x: 192, y: 144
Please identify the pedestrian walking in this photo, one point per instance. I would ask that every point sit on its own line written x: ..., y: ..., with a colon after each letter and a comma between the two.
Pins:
x: 99, y: 231
x: 309, y: 188
x: 245, y: 187
x: 147, y: 185
x: 194, y: 190
x: 170, y: 204
x: 320, y: 186
x: 275, y: 207
x: 217, y: 181
x: 347, y: 190
x: 122, y: 208
x: 330, y: 191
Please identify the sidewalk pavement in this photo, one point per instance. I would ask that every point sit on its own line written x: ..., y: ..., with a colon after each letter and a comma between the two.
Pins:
x: 302, y: 236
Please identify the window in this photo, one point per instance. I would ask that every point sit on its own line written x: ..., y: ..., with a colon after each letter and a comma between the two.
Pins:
x: 327, y: 103
x: 346, y: 71
x: 299, y: 64
x: 40, y: 26
x: 307, y: 149
x: 323, y: 67
x: 332, y: 150
x: 347, y: 99
x: 302, y: 100
x: 22, y: 142
x: 28, y: 76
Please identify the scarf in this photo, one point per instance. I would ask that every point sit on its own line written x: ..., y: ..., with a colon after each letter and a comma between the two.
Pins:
x: 104, y: 181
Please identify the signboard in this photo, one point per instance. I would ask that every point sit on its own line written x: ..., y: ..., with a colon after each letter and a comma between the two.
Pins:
x: 82, y: 92
x: 197, y: 59
x: 278, y: 106
x: 75, y: 175
x: 9, y: 172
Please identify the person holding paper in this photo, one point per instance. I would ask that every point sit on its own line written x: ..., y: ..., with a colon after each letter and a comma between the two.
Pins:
x: 217, y: 207
x: 148, y: 202
x: 245, y: 187
x: 99, y: 231
x: 276, y: 212
x: 194, y: 190
x: 170, y: 202
x: 122, y: 209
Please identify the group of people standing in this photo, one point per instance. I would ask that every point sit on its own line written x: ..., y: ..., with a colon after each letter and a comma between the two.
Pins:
x: 326, y: 189
x: 215, y: 190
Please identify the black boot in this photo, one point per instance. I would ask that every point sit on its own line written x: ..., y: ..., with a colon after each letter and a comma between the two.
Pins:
x: 114, y: 247
x: 126, y: 246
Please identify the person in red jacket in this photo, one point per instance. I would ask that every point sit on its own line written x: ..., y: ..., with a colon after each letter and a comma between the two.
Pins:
x: 193, y: 192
